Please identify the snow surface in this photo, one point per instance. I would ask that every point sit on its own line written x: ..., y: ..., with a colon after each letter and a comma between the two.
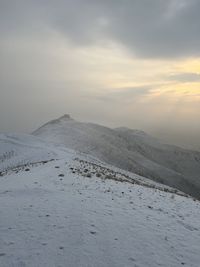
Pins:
x: 56, y: 212
x: 21, y: 149
x: 130, y: 150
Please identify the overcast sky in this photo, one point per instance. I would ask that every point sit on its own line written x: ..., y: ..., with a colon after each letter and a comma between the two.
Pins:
x: 132, y: 63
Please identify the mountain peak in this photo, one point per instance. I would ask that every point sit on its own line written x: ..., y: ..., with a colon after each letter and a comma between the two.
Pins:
x: 131, y: 150
x: 65, y: 117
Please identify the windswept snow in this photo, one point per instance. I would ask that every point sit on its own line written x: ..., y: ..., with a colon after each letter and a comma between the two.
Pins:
x: 64, y: 208
x: 130, y: 150
x: 21, y: 149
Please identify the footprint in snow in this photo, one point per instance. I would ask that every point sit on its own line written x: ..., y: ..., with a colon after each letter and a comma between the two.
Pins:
x: 10, y: 243
x: 131, y: 259
x: 93, y: 232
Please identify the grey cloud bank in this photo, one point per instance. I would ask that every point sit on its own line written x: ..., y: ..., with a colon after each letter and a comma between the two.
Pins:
x: 155, y: 28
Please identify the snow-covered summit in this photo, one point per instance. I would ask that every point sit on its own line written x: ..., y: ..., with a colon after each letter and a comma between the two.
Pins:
x: 130, y: 150
x: 63, y: 118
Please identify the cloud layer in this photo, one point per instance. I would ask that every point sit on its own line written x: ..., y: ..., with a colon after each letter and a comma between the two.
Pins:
x: 115, y: 62
x: 158, y: 28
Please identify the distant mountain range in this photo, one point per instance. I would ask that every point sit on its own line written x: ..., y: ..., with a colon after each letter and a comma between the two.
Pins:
x: 131, y: 150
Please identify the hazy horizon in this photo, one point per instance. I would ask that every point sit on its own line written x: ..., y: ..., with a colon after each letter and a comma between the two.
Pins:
x: 116, y: 63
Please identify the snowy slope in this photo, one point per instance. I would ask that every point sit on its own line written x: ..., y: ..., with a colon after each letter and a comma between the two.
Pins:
x: 21, y: 149
x: 70, y: 209
x: 130, y: 150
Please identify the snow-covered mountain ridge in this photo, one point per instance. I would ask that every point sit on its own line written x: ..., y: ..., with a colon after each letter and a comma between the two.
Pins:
x: 21, y: 151
x: 130, y: 150
x: 63, y: 208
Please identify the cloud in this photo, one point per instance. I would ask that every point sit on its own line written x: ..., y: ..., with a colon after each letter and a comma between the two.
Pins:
x: 127, y: 95
x: 184, y: 77
x: 68, y: 56
x: 160, y: 29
